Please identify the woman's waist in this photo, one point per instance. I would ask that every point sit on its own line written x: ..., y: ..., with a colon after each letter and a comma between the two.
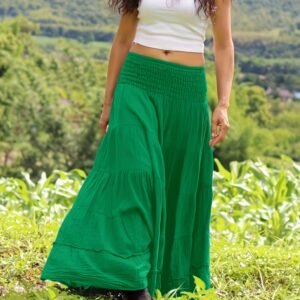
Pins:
x: 181, y: 57
x: 159, y: 76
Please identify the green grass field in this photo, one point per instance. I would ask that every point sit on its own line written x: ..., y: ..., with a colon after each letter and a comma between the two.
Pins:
x: 254, y: 234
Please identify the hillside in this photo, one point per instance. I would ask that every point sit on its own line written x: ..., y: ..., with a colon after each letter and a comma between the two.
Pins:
x: 83, y: 20
x: 93, y: 20
x: 267, y: 15
x: 266, y: 34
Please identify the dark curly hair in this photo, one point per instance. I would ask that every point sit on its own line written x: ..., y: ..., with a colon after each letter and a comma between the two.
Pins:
x: 125, y: 6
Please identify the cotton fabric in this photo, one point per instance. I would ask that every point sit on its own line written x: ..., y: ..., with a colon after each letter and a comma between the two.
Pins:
x: 142, y: 216
x: 172, y: 25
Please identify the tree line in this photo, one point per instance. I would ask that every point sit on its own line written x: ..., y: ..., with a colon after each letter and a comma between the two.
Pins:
x: 50, y: 103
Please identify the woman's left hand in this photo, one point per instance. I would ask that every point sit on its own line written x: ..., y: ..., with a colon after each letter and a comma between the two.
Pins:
x: 220, y: 125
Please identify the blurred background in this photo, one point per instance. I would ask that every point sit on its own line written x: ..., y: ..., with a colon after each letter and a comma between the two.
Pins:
x: 53, y: 62
x: 52, y: 75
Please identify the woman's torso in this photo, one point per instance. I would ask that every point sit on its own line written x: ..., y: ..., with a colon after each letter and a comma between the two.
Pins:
x: 179, y: 13
x: 182, y: 57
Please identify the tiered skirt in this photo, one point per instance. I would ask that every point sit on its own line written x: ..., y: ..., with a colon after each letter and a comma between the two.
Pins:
x: 142, y: 216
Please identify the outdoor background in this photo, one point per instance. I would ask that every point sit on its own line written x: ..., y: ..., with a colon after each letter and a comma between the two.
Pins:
x: 53, y: 62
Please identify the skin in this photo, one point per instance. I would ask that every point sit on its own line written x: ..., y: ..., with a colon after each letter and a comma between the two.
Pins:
x: 223, y: 48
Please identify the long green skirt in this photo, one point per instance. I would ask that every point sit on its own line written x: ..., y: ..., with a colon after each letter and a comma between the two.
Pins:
x: 142, y: 216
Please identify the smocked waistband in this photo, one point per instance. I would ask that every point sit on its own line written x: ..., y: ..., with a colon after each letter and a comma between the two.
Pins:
x: 158, y: 76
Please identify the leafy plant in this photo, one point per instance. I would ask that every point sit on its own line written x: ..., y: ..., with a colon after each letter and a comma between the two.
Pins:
x: 199, y: 292
x: 254, y: 202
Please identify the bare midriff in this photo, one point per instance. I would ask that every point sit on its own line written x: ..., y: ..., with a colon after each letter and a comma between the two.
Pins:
x: 181, y: 57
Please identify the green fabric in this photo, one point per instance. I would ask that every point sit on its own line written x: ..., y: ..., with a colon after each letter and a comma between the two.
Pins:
x: 142, y: 216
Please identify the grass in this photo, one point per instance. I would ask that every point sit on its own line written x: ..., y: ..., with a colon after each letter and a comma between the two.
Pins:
x: 255, y: 272
x: 239, y: 271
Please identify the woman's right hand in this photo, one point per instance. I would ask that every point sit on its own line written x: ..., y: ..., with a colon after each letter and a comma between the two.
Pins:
x: 104, y: 118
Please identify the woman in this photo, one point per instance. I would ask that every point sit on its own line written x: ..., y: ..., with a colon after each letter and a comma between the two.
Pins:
x: 141, y: 220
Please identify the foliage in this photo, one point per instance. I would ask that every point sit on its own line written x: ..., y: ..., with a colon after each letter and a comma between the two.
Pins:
x: 267, y: 15
x: 48, y: 198
x: 199, y: 292
x: 258, y: 202
x: 93, y: 20
x: 50, y: 99
x: 255, y: 232
x: 261, y: 127
x: 46, y: 103
x: 71, y: 19
x: 254, y: 202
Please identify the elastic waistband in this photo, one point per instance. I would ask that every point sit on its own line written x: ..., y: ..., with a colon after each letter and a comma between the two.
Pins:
x: 158, y: 76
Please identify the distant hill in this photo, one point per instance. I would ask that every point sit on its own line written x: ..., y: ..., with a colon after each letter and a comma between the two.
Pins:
x: 93, y: 20
x: 84, y: 20
x: 265, y: 15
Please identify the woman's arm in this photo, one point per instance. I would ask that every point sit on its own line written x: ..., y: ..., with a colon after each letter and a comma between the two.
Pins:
x: 223, y: 48
x: 120, y: 46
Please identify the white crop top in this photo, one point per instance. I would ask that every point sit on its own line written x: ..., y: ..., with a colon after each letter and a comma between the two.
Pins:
x: 171, y: 25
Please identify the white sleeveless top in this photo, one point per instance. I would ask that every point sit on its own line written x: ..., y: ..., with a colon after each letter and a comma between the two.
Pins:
x: 171, y: 25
